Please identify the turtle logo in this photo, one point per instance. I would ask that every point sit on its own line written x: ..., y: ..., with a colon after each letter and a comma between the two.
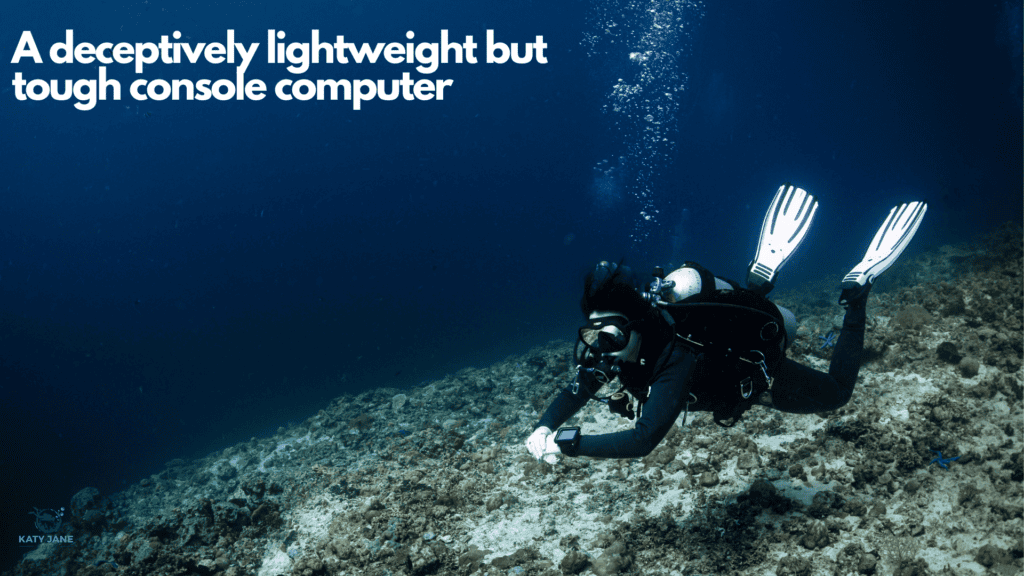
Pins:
x: 48, y: 520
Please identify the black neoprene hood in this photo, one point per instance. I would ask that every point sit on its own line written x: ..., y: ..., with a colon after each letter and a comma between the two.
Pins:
x: 614, y: 287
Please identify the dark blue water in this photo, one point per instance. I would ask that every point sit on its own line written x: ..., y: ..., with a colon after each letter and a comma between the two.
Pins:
x: 176, y: 277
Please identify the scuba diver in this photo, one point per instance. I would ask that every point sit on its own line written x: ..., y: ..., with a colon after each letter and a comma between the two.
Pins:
x: 691, y: 341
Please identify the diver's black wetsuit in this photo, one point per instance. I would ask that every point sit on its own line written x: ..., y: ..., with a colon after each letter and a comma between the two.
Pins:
x: 796, y: 388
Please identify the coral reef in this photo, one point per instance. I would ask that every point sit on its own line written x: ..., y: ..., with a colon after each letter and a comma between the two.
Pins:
x: 435, y: 479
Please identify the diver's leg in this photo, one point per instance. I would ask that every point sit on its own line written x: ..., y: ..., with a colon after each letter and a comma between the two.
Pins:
x: 850, y: 346
x: 802, y: 390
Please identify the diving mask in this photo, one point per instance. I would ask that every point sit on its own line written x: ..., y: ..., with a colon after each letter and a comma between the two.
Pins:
x: 604, y: 344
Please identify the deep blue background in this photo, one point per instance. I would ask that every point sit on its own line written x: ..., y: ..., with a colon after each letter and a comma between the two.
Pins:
x: 176, y: 277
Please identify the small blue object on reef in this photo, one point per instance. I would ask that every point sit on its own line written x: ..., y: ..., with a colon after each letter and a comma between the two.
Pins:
x: 942, y: 461
x: 829, y: 340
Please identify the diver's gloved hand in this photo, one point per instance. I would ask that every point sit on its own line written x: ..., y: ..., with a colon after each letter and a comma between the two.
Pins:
x: 537, y: 441
x: 541, y: 445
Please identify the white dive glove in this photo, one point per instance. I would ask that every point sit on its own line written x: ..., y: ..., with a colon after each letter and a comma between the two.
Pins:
x: 541, y: 445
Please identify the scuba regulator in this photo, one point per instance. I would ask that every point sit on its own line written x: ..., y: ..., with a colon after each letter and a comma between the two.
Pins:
x: 608, y: 341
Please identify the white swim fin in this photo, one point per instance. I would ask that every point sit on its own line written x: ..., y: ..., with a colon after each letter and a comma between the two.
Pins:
x: 889, y: 242
x: 785, y: 226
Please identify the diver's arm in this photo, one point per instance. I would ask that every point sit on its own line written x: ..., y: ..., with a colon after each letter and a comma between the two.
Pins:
x: 669, y: 390
x: 564, y: 406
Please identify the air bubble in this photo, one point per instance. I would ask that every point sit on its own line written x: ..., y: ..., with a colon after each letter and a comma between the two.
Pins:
x: 651, y: 37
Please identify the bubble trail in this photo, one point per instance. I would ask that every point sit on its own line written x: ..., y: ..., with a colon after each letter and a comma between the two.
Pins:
x: 643, y: 43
